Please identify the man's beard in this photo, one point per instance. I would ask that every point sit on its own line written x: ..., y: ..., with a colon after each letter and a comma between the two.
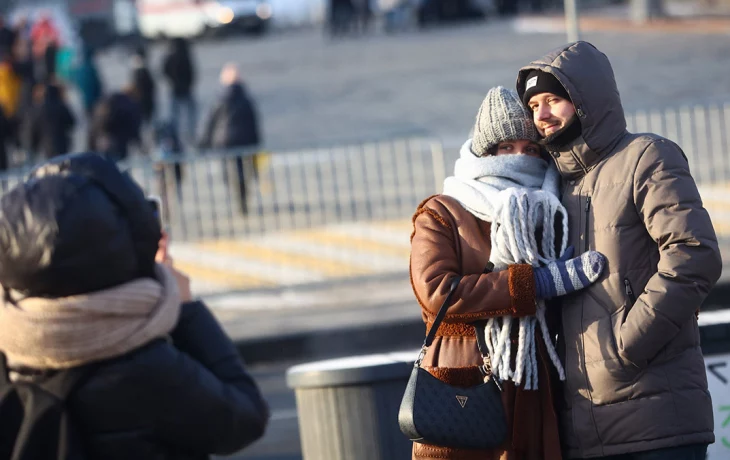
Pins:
x: 564, y: 135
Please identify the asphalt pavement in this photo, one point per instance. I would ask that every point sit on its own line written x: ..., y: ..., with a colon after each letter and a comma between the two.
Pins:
x: 313, y: 91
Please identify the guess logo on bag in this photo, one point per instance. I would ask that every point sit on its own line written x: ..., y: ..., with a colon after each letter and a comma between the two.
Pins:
x: 462, y: 400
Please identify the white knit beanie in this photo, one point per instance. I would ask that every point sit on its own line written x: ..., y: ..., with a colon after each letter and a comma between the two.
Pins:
x: 502, y: 117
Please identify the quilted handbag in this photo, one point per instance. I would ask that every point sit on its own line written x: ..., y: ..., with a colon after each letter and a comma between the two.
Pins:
x: 434, y: 412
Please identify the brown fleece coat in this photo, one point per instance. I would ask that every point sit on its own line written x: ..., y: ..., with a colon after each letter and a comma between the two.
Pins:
x: 448, y: 241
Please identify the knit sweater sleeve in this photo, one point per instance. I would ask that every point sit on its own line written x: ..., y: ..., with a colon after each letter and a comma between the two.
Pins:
x: 436, y: 260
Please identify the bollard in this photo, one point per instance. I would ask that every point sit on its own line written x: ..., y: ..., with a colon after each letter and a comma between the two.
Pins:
x: 715, y: 340
x: 348, y: 408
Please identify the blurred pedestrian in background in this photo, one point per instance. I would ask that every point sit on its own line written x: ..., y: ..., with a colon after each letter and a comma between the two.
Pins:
x: 116, y: 124
x: 179, y: 69
x: 5, y: 139
x: 49, y: 123
x: 89, y: 288
x: 46, y: 41
x: 10, y: 92
x: 7, y: 38
x: 233, y: 123
x: 88, y: 81
x: 24, y: 66
x: 145, y: 85
x: 341, y: 17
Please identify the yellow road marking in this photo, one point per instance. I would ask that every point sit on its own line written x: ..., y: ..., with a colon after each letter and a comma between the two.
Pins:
x: 252, y: 251
x: 348, y: 241
x: 223, y: 277
x: 401, y: 225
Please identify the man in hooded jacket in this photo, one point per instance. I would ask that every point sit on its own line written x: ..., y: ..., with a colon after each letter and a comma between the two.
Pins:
x: 636, y: 385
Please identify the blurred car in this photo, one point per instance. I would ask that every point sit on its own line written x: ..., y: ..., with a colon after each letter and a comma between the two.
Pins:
x: 196, y: 18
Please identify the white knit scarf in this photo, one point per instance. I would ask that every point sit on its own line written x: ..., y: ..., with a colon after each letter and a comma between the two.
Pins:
x: 60, y: 333
x: 518, y: 195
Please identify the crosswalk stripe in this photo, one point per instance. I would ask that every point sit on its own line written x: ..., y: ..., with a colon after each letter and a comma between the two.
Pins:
x: 258, y: 251
x: 334, y: 238
x: 244, y: 266
x: 402, y: 225
x: 384, y: 234
x: 205, y: 275
x: 343, y: 253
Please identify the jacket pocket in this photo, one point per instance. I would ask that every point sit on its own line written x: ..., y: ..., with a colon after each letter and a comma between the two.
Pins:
x: 630, y: 295
x: 609, y: 379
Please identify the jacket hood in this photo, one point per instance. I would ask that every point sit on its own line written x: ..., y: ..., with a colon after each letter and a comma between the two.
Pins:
x: 76, y: 225
x: 588, y: 77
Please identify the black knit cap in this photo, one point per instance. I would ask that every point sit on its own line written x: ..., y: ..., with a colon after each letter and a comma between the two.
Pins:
x: 538, y: 82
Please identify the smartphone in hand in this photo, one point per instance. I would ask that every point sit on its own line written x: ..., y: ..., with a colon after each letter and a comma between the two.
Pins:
x: 162, y: 253
x: 156, y: 204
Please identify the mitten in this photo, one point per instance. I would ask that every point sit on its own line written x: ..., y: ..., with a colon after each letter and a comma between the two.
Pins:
x: 568, y: 274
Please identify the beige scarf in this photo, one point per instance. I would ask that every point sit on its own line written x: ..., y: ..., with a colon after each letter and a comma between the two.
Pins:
x: 65, y: 332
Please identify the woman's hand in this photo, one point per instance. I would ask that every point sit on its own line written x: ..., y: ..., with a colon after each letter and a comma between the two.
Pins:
x: 183, y: 280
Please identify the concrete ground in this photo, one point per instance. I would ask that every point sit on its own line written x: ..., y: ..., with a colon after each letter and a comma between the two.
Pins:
x: 313, y: 91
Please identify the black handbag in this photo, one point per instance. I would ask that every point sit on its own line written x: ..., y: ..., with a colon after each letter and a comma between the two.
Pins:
x: 434, y: 412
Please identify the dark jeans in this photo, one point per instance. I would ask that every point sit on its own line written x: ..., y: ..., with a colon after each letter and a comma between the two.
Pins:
x: 184, y: 106
x: 690, y: 452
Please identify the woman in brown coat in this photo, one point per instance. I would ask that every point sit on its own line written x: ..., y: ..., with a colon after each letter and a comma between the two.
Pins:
x: 500, y: 225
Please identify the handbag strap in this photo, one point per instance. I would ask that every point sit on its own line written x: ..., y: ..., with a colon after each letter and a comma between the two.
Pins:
x: 437, y: 321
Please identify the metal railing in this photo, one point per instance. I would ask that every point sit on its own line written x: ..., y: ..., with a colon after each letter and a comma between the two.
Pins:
x: 320, y: 214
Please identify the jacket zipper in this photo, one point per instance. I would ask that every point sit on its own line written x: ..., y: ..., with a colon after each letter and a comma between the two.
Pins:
x: 587, y: 211
x: 629, y: 291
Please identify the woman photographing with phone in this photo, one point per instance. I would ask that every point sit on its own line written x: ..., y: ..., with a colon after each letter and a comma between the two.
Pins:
x: 88, y: 283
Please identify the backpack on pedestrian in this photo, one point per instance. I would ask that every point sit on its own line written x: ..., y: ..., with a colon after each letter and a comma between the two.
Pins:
x: 34, y: 419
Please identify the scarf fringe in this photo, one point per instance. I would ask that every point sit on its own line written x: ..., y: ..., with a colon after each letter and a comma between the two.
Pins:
x: 518, y: 207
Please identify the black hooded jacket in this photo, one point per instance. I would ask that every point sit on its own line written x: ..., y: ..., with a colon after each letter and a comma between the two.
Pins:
x: 78, y: 225
x: 178, y: 68
x: 233, y: 121
x: 49, y: 125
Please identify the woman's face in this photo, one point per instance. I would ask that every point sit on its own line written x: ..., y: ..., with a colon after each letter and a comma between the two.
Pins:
x: 522, y: 146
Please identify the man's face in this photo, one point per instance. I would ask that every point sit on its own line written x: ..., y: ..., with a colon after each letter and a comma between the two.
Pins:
x: 550, y: 112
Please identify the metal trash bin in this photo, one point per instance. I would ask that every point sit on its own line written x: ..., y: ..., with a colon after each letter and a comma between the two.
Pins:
x: 715, y: 340
x: 348, y: 408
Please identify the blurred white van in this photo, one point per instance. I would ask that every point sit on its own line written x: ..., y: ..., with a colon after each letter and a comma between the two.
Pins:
x: 194, y: 18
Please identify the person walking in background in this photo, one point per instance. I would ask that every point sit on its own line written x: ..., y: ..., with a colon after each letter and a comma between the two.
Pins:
x: 179, y: 69
x: 49, y: 123
x: 144, y: 84
x: 146, y: 92
x: 24, y: 66
x: 233, y: 123
x: 116, y: 124
x: 88, y: 81
x: 10, y: 88
x: 5, y: 139
x: 88, y: 284
x: 470, y: 233
x: 7, y: 38
x: 46, y: 40
x: 636, y: 385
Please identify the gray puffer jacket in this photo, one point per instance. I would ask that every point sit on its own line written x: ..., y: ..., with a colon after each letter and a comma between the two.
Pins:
x: 635, y: 373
